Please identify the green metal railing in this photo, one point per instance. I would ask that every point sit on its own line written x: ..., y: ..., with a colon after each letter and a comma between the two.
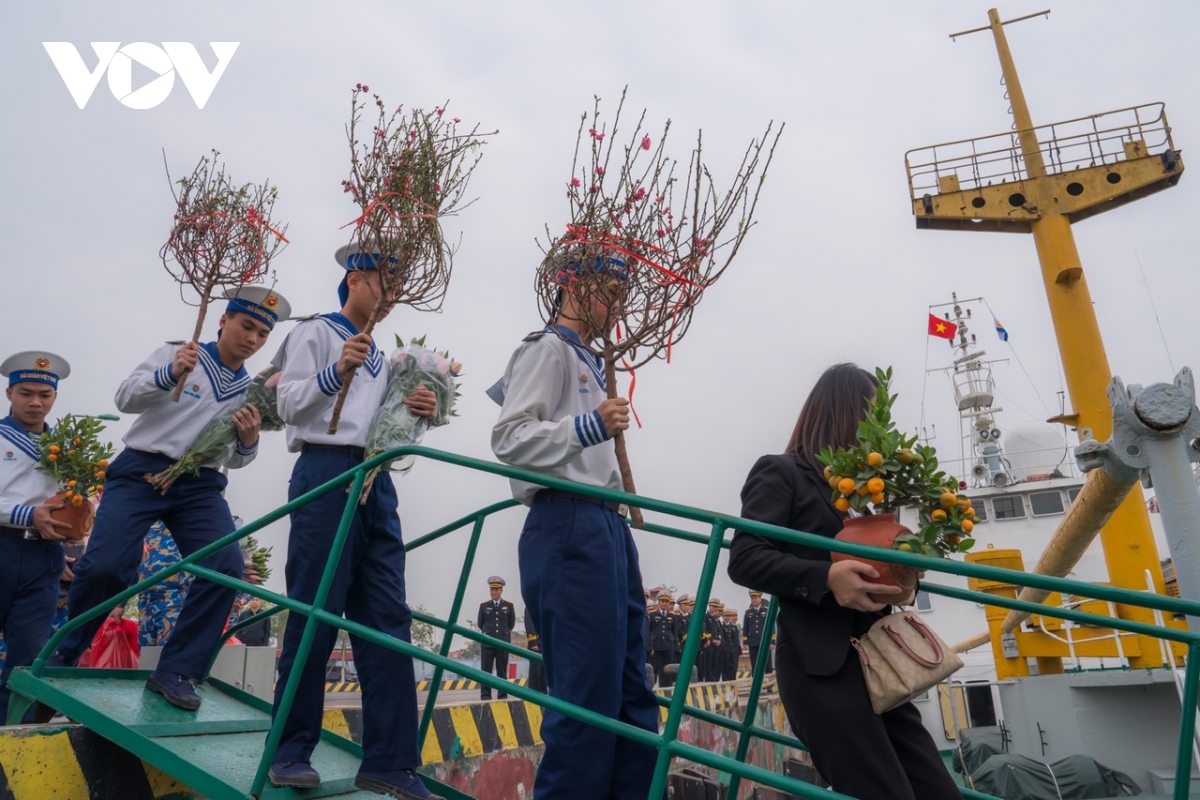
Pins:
x: 665, y: 742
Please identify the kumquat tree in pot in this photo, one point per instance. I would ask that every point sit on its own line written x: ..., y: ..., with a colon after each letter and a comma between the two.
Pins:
x: 884, y: 472
x: 74, y: 456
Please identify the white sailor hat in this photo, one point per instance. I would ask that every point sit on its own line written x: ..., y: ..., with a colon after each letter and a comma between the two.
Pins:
x: 496, y: 582
x: 261, y: 302
x: 35, y: 366
x: 352, y: 257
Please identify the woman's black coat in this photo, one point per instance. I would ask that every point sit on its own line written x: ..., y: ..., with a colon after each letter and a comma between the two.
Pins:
x: 785, y: 491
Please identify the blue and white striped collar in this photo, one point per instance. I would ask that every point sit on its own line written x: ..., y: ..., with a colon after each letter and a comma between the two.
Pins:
x: 11, y: 430
x: 345, y: 329
x: 226, y: 383
x: 593, y: 361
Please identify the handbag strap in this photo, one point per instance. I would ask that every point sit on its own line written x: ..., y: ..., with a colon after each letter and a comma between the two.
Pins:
x: 920, y: 628
x: 862, y: 653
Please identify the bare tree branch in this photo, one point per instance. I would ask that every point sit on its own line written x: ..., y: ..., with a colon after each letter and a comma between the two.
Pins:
x: 630, y: 248
x: 223, y: 236
x: 411, y: 171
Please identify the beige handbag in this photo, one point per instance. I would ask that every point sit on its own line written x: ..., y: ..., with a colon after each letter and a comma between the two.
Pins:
x: 901, y: 658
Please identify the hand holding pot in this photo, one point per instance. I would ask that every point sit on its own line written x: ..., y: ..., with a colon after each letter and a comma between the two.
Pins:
x: 850, y: 583
x: 47, y: 526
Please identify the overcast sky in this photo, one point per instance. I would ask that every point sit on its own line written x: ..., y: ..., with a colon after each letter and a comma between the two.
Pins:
x: 835, y: 270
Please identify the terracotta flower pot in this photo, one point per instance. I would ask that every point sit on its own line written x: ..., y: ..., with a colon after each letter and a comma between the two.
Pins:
x: 79, y: 517
x: 878, y: 530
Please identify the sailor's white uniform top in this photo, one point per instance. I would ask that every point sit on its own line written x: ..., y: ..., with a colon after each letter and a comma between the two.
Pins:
x: 211, y: 391
x: 22, y: 486
x: 309, y: 384
x: 549, y: 420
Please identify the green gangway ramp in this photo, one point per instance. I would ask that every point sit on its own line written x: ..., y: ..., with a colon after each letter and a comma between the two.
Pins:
x: 225, y: 749
x: 215, y: 751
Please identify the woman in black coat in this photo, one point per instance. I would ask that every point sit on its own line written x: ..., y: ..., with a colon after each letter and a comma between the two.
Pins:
x: 823, y: 604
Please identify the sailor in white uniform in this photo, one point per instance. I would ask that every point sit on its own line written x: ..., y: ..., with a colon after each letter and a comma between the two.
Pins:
x: 316, y: 359
x: 215, y: 383
x: 31, y: 557
x: 576, y: 552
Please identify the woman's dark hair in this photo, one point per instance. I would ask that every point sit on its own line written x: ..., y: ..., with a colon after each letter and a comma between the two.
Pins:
x: 830, y: 416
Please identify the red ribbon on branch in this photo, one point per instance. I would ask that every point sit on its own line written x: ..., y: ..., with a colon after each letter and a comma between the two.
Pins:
x: 251, y: 218
x: 378, y: 202
x: 612, y: 241
x: 632, y: 381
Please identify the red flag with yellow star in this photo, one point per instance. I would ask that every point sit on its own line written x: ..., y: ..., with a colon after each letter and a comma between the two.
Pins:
x: 941, y: 328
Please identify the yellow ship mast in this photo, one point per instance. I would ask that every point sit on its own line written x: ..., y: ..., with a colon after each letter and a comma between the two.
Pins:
x: 1095, y: 164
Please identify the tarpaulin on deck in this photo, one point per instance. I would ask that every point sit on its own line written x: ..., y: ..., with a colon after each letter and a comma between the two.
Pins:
x: 1016, y: 777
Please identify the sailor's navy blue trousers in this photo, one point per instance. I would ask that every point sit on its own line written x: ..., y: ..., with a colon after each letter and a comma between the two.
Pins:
x: 196, y: 513
x: 29, y: 572
x: 583, y: 589
x: 368, y: 588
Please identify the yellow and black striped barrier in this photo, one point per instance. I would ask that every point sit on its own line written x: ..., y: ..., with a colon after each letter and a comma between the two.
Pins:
x: 70, y: 762
x: 464, y: 730
x: 708, y: 696
x: 474, y: 729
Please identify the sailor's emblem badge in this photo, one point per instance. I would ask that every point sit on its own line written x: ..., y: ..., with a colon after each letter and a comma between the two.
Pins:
x: 195, y: 387
x: 583, y: 378
x: 9, y: 454
x: 271, y: 302
x: 42, y: 363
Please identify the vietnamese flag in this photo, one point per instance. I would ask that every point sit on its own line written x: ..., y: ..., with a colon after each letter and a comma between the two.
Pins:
x: 941, y: 328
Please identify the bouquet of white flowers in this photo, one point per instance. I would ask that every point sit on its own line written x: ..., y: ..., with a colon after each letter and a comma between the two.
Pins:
x: 394, y: 424
x: 219, y: 435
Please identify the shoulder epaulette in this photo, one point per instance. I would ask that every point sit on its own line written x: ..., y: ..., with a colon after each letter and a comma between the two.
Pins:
x: 301, y: 319
x: 179, y: 343
x: 534, y: 336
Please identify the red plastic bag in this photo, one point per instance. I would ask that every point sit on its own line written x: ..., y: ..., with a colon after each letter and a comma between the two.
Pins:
x: 115, y: 645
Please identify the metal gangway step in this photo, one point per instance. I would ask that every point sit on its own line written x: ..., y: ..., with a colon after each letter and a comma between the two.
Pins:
x: 216, y: 750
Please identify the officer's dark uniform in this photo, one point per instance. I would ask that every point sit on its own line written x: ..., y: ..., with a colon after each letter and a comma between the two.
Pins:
x: 754, y: 626
x: 714, y: 630
x: 256, y: 635
x: 663, y: 638
x: 731, y: 647
x: 685, y: 619
x: 497, y: 618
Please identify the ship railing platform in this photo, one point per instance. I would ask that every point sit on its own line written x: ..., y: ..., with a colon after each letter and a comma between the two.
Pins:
x: 225, y: 749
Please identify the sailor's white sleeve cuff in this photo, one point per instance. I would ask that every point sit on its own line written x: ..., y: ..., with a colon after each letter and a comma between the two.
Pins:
x: 22, y: 516
x: 590, y: 429
x: 163, y: 378
x: 329, y: 381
